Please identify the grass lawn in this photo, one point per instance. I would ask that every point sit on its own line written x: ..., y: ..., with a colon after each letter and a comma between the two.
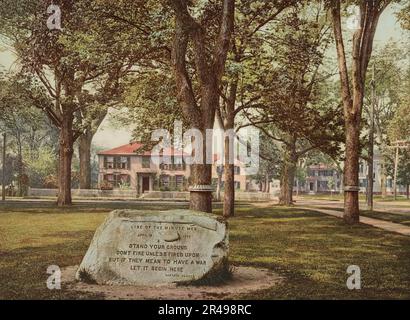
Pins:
x: 311, y: 250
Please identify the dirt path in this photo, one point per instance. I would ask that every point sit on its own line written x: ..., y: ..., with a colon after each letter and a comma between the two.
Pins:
x: 245, y: 280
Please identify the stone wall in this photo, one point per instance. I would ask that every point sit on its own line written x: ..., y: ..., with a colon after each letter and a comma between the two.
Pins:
x: 153, y: 195
x: 86, y: 193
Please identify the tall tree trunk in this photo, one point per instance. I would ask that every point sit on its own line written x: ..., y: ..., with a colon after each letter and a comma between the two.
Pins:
x: 66, y: 142
x: 84, y: 148
x: 286, y: 183
x: 288, y: 173
x: 383, y: 178
x: 20, y: 170
x: 383, y: 174
x: 209, y: 70
x: 351, y: 172
x: 200, y: 176
x: 229, y: 171
x: 352, y: 90
x: 266, y: 183
x: 342, y: 177
x: 84, y: 151
x: 229, y: 192
x: 218, y: 184
x: 268, y: 189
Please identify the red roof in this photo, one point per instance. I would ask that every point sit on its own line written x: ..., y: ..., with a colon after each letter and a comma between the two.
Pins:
x: 131, y: 149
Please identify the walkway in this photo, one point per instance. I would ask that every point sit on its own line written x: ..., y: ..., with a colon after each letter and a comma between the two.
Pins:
x: 386, y: 225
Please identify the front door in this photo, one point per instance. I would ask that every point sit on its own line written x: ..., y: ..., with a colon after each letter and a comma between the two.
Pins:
x: 145, y: 184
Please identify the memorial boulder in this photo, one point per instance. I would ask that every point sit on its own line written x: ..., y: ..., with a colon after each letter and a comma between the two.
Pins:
x: 155, y: 247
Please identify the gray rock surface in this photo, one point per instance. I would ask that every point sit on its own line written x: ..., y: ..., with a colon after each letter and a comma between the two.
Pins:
x: 133, y: 247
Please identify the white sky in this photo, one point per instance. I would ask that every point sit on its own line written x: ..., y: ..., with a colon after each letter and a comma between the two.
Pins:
x: 109, y: 137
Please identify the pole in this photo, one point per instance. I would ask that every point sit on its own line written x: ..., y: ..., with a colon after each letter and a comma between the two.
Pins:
x: 3, y: 181
x: 371, y: 145
x: 396, y: 161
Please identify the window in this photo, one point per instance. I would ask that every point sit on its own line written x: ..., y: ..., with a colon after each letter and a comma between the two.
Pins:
x: 109, y: 162
x: 165, y: 181
x: 172, y: 167
x: 323, y: 185
x: 109, y: 177
x: 237, y: 170
x: 237, y: 185
x: 220, y: 170
x: 362, y: 168
x: 363, y: 183
x: 179, y: 180
x: 124, y: 162
x: 146, y: 162
x: 117, y: 179
x: 326, y: 173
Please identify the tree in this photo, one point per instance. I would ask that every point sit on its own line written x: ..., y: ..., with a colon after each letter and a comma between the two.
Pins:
x: 399, y: 130
x: 148, y: 101
x: 404, y: 16
x: 269, y: 165
x: 388, y: 76
x: 27, y: 128
x: 78, y: 66
x: 134, y: 32
x: 290, y: 101
x: 353, y: 91
x: 251, y: 20
x: 403, y: 174
x: 209, y: 54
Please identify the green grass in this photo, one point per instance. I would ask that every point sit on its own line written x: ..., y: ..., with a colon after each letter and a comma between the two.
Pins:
x: 310, y: 250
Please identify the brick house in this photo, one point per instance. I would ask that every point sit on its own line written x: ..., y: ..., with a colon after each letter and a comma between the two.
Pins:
x: 123, y: 167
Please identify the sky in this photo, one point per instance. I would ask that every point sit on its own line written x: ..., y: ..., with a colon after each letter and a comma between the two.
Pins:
x: 109, y: 136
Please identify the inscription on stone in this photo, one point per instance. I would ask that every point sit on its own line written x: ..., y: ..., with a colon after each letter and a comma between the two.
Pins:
x: 146, y: 248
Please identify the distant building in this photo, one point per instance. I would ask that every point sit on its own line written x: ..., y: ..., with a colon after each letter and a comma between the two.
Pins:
x: 322, y: 178
x: 377, y: 166
x: 123, y: 167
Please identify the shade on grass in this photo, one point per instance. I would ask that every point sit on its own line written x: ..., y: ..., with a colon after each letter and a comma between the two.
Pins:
x: 311, y: 250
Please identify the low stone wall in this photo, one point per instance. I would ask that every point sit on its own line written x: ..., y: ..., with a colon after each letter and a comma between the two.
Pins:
x: 254, y: 196
x: 153, y: 195
x: 239, y: 195
x: 86, y: 193
x: 174, y: 195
